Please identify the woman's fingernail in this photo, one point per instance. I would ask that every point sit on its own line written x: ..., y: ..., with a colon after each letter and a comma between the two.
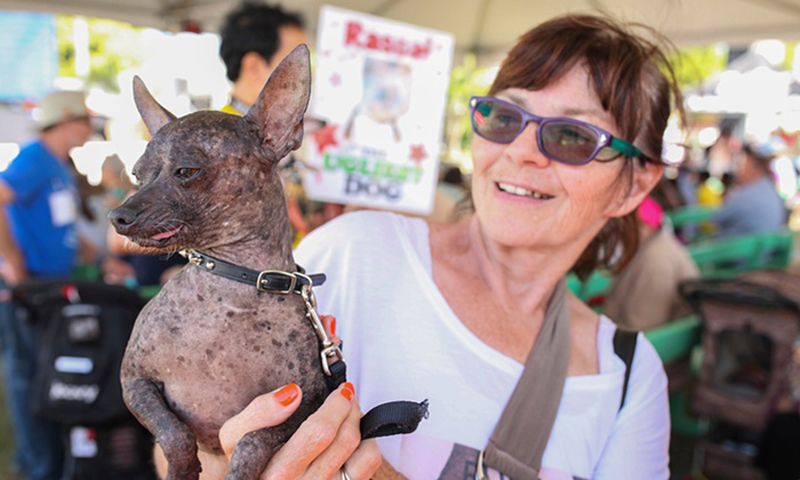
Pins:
x: 333, y: 325
x: 286, y: 395
x: 348, y: 391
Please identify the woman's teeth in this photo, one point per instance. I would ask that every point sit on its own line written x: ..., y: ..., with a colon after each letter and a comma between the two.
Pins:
x: 521, y: 192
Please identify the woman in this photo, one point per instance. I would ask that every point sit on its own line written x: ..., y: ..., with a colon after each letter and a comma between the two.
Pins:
x: 567, y: 144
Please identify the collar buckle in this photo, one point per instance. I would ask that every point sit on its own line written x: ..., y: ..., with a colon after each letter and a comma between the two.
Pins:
x: 191, y: 255
x: 263, y: 281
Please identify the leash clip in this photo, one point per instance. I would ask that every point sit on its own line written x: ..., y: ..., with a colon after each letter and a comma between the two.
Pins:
x: 332, y: 351
x: 329, y: 350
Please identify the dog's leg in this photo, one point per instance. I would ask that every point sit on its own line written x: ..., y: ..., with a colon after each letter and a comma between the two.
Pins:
x: 143, y: 398
x: 253, y: 451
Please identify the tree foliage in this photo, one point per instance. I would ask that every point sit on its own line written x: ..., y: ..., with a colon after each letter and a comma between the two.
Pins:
x: 466, y: 79
x: 113, y: 46
x: 694, y: 66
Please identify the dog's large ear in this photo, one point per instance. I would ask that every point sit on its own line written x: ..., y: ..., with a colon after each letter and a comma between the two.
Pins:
x: 154, y: 115
x: 278, y: 112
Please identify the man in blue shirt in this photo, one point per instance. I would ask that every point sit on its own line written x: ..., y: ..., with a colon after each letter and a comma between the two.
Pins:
x: 753, y: 205
x: 38, y: 239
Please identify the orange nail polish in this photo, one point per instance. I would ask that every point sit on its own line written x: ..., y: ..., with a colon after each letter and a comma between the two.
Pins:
x: 287, y: 394
x: 333, y: 325
x: 348, y: 391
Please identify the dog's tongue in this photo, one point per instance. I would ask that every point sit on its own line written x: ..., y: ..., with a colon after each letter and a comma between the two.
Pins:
x: 163, y: 235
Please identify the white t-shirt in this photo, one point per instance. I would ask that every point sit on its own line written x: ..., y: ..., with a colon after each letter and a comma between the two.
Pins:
x: 402, y: 341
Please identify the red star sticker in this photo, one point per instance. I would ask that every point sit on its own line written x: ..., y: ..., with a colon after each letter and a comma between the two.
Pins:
x: 336, y: 79
x: 325, y: 138
x: 418, y: 153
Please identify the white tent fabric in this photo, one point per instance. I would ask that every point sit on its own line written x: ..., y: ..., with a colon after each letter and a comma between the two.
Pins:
x: 487, y: 27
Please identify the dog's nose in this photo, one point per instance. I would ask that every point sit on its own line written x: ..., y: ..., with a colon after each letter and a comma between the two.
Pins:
x: 123, y: 218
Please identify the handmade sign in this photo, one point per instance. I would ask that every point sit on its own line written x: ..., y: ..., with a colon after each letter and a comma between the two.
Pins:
x: 381, y: 87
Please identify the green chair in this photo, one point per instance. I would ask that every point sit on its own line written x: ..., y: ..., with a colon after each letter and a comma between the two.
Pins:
x: 675, y: 340
x: 148, y: 292
x: 684, y: 216
x: 592, y: 290
x: 86, y: 271
x: 678, y: 345
x: 694, y: 216
x: 728, y: 257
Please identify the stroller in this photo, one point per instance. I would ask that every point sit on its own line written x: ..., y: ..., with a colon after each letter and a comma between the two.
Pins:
x: 750, y: 330
x: 83, y: 329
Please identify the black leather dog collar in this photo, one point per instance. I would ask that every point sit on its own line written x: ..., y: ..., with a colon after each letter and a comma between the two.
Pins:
x: 276, y: 281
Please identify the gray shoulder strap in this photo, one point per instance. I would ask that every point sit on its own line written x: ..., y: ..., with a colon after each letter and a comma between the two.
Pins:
x: 520, y: 437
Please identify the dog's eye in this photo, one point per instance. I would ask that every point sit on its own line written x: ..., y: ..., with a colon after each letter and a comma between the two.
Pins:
x: 186, y: 173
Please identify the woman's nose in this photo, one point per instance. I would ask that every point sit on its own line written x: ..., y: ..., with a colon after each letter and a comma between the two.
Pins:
x: 525, y: 148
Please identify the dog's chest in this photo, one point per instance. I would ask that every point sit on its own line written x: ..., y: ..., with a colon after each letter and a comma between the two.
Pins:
x: 215, y: 350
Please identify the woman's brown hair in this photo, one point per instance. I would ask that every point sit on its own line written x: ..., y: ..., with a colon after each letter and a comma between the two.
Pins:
x: 634, y: 81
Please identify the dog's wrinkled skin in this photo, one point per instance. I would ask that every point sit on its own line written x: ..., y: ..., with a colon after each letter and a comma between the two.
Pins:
x: 205, y: 346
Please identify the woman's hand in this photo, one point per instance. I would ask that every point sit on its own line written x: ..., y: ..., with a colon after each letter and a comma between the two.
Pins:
x: 326, y: 442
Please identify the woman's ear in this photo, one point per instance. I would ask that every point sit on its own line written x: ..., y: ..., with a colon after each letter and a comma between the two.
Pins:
x: 645, y: 178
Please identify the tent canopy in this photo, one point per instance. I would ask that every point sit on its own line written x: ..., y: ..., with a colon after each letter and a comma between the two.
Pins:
x: 486, y: 27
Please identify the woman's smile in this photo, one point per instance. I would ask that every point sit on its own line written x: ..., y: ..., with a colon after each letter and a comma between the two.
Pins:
x: 517, y: 193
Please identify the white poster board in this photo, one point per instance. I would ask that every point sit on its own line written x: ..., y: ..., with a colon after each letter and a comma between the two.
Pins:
x: 381, y: 86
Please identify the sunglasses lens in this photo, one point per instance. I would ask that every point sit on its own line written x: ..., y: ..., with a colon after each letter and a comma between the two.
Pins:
x: 496, y: 121
x: 568, y: 142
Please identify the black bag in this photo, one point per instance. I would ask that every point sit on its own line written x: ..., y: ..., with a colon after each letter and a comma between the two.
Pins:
x: 84, y: 329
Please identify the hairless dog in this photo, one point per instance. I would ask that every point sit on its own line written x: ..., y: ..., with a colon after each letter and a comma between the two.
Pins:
x: 206, y: 345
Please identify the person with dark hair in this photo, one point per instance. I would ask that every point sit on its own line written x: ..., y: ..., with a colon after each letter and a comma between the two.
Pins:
x: 753, y: 204
x: 254, y: 39
x: 567, y: 144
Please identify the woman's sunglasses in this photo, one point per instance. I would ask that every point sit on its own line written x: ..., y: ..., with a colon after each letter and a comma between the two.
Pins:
x: 562, y: 139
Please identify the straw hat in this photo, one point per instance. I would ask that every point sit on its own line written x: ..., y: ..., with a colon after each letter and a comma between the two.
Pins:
x: 60, y: 106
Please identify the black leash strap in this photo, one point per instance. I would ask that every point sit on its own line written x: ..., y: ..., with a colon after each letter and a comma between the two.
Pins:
x: 338, y: 375
x: 390, y: 418
x: 393, y: 418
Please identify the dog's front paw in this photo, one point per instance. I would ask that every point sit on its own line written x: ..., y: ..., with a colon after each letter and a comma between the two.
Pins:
x: 180, y: 450
x: 188, y: 469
